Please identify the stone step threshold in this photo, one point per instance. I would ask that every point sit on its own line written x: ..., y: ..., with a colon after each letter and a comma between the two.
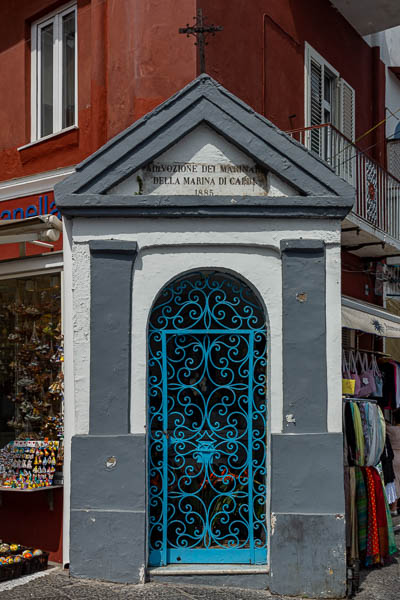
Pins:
x: 211, y: 569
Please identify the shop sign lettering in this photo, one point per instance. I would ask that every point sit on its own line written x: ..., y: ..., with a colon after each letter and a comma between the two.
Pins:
x: 41, y: 205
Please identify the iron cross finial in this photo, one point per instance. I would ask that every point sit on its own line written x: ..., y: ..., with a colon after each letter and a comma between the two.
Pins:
x: 200, y: 30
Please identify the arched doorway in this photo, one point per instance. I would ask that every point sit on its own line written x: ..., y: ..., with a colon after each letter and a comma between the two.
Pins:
x: 207, y: 422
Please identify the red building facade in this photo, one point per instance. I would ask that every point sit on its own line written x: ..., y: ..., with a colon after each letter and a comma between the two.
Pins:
x: 130, y: 58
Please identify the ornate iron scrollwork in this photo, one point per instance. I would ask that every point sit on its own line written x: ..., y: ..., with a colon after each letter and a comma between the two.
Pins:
x: 207, y: 422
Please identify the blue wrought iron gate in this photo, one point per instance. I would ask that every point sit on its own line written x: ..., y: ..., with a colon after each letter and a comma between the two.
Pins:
x: 207, y: 423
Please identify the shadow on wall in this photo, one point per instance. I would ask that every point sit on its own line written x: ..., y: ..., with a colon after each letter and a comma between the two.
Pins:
x: 41, y: 527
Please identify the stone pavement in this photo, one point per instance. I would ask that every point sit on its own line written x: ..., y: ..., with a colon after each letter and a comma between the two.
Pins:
x: 377, y: 584
x: 381, y: 583
x: 59, y: 586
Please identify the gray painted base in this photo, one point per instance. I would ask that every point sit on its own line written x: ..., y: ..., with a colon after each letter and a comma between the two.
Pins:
x: 108, y: 545
x: 108, y: 510
x: 258, y: 581
x: 307, y: 543
x: 308, y: 556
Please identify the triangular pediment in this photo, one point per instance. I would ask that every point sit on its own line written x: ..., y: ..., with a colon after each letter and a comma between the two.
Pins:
x: 202, y: 141
x: 203, y: 163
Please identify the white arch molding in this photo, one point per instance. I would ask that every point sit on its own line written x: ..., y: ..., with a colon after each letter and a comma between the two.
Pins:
x: 155, y: 269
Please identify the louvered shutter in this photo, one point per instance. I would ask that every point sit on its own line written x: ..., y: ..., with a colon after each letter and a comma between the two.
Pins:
x: 316, y: 78
x: 347, y: 110
x: 346, y: 163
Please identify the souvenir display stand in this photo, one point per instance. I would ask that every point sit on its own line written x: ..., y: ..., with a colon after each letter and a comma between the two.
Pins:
x: 17, y: 560
x: 370, y: 400
x: 28, y: 465
x: 31, y: 411
x: 32, y: 357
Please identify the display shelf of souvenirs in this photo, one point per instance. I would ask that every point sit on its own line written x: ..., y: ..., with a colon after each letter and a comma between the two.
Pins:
x: 28, y: 465
x: 31, y: 345
x: 17, y: 560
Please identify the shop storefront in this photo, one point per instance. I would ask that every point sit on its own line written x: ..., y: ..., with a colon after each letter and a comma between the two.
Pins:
x: 31, y: 375
x: 371, y: 404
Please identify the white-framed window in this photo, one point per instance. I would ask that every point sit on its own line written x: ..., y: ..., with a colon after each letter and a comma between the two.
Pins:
x: 328, y: 99
x: 54, y: 73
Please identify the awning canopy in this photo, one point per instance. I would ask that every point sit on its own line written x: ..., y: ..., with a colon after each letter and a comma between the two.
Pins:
x: 41, y: 230
x: 369, y: 318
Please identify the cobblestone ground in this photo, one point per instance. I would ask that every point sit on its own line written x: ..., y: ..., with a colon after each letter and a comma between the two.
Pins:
x: 376, y: 584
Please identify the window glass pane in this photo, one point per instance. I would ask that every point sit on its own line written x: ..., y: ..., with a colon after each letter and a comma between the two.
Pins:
x: 46, y: 80
x: 30, y: 358
x: 327, y: 88
x: 68, y: 70
x: 327, y: 116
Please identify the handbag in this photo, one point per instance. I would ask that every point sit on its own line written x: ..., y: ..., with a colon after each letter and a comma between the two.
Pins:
x: 367, y: 379
x: 348, y: 384
x: 378, y: 378
x: 353, y: 372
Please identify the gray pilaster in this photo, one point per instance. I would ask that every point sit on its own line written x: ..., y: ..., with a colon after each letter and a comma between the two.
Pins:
x: 107, y: 527
x: 307, y: 473
x: 307, y: 496
x: 110, y: 335
x: 304, y: 336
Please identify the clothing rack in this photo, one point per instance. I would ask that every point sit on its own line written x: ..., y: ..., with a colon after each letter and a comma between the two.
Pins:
x: 365, y: 487
x: 377, y: 352
x: 349, y: 399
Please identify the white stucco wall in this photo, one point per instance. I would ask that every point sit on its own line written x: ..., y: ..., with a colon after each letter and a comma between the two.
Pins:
x: 69, y: 378
x: 169, y: 247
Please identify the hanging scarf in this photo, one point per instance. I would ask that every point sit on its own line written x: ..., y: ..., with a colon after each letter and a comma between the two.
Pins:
x: 360, y: 459
x: 350, y: 436
x: 391, y: 539
x: 362, y: 513
x: 353, y: 515
x: 372, y: 434
x: 373, y: 556
x: 376, y: 429
x: 363, y: 407
x: 382, y: 434
x: 390, y: 531
x: 381, y: 519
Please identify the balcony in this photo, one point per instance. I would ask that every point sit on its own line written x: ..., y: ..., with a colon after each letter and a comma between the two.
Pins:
x: 377, y: 203
x: 369, y: 16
